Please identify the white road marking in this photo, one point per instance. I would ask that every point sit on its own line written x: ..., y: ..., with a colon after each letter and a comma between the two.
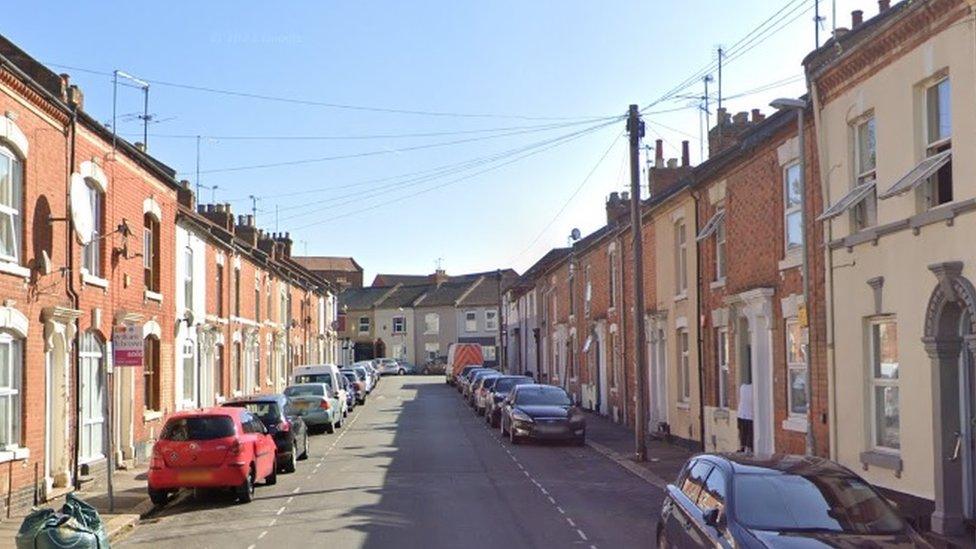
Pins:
x: 560, y: 509
x: 262, y: 534
x: 570, y: 521
x: 280, y: 511
x: 273, y: 522
x: 296, y: 490
x: 250, y: 546
x: 581, y: 534
x: 552, y: 501
x: 290, y: 499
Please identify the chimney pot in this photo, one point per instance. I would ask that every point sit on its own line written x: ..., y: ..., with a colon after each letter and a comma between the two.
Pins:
x: 756, y: 115
x: 201, y: 208
x: 614, y: 196
x: 659, y: 153
x: 685, y: 154
x: 141, y: 146
x: 250, y: 220
x: 857, y: 17
x: 740, y: 118
x: 723, y: 116
x: 883, y: 5
x: 839, y: 32
x: 672, y: 163
x: 625, y: 196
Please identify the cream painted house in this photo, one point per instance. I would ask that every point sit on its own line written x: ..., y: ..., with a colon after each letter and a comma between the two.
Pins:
x: 672, y: 320
x: 894, y: 101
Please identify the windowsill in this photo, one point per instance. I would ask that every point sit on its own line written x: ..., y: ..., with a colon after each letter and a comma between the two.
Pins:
x: 93, y: 280
x: 153, y: 296
x: 14, y: 454
x: 681, y: 297
x: 885, y: 459
x: 716, y: 284
x: 945, y: 213
x: 683, y: 405
x: 14, y: 269
x: 151, y: 415
x: 798, y: 424
x: 792, y: 260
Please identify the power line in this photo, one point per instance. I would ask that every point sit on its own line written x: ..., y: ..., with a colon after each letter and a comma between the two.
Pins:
x: 378, y: 191
x: 441, y: 185
x: 569, y: 200
x: 371, y: 153
x: 330, y: 105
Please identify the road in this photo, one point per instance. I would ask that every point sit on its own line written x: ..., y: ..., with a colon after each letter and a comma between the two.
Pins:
x: 416, y: 468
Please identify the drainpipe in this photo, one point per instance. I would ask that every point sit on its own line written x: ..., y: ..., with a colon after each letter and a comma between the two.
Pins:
x: 699, y: 330
x: 73, y: 295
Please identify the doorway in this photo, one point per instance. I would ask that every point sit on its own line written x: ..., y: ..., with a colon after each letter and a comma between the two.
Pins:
x: 658, y: 381
x: 57, y: 469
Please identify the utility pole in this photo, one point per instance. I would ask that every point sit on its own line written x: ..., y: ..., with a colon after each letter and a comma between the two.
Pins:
x: 635, y: 127
x: 500, y: 351
x: 720, y: 121
x: 198, y: 166
x: 816, y: 23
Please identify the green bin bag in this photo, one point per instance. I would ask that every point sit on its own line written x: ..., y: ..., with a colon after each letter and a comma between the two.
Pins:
x: 76, y: 526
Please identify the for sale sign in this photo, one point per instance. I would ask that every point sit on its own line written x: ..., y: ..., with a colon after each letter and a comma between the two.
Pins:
x: 127, y: 346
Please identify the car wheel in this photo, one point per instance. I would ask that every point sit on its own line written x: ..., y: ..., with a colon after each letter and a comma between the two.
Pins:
x: 304, y: 455
x: 501, y: 426
x: 158, y: 497
x: 400, y: 372
x: 272, y: 478
x: 245, y: 492
x: 291, y: 464
x: 661, y: 542
x: 330, y: 428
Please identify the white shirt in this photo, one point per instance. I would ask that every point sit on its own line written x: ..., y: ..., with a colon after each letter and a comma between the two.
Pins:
x: 745, y: 401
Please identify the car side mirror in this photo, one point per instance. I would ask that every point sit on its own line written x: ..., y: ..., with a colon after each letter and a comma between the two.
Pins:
x: 713, y: 517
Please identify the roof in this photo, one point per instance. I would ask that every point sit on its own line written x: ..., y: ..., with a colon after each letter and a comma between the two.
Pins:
x: 402, y: 296
x: 361, y: 298
x: 328, y: 263
x: 485, y: 291
x: 445, y: 294
x: 413, y: 280
x: 742, y: 463
x: 835, y: 47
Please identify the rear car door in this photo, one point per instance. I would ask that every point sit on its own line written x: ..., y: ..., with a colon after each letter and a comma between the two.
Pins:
x: 264, y: 447
x: 713, y: 496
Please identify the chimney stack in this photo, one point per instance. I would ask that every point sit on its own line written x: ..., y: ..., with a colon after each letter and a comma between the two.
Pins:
x: 659, y: 153
x: 857, y: 17
x: 618, y: 208
x: 140, y: 146
x: 184, y: 195
x: 740, y: 119
x: 685, y: 154
x: 883, y: 5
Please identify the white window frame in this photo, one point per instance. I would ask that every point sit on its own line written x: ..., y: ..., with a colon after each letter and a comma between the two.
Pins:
x: 491, y: 320
x: 937, y: 144
x: 489, y: 352
x: 188, y: 365
x: 684, y: 366
x: 93, y: 357
x: 720, y: 241
x: 587, y: 290
x: 188, y: 278
x: 722, y: 361
x: 432, y: 324
x: 10, y: 391
x: 432, y: 350
x: 470, y: 321
x: 364, y: 324
x: 612, y: 258
x: 791, y: 210
x: 680, y: 259
x: 12, y: 215
x: 92, y: 252
x: 797, y: 366
x: 399, y: 325
x: 864, y: 214
x: 875, y: 382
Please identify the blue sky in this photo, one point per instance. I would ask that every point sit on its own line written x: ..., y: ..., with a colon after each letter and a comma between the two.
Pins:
x: 506, y: 78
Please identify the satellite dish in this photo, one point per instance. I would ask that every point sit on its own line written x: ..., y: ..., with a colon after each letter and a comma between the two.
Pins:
x: 575, y: 234
x: 82, y: 215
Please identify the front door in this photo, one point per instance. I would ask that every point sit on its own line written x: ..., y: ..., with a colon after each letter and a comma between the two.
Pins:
x: 56, y: 465
x: 658, y: 382
x: 967, y: 434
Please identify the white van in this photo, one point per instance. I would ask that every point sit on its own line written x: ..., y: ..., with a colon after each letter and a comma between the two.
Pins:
x: 323, y: 373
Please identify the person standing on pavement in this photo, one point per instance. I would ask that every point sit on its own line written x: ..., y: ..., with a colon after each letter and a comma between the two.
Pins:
x: 745, y: 416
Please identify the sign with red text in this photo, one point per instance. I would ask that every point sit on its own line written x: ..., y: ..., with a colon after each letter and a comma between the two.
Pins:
x: 127, y: 346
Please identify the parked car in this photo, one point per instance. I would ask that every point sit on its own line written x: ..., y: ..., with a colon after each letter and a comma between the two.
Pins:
x: 212, y: 448
x: 740, y: 500
x: 357, y: 377
x: 541, y: 412
x: 288, y: 429
x: 327, y: 374
x: 465, y: 379
x: 500, y: 388
x: 434, y: 367
x: 373, y: 373
x: 481, y: 390
x: 350, y: 393
x: 369, y: 375
x: 463, y: 374
x: 317, y: 404
x: 460, y: 356
x: 474, y: 385
x: 406, y: 367
x: 387, y: 366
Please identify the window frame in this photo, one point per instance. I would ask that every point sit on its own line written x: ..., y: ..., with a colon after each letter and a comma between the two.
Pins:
x: 793, y: 366
x: 188, y: 278
x: 791, y: 210
x: 151, y: 394
x: 875, y: 382
x: 188, y: 363
x: 612, y: 259
x: 432, y: 324
x: 864, y: 214
x: 491, y: 320
x: 469, y: 318
x: 680, y: 258
x: 364, y: 321
x: 399, y: 325
x: 92, y: 252
x: 14, y: 215
x: 237, y: 292
x: 684, y: 366
x: 720, y: 250
x: 93, y: 356
x: 220, y: 290
x: 11, y: 391
x: 931, y: 192
x: 722, y: 363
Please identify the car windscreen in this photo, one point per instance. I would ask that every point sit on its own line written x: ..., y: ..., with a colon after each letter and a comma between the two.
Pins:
x: 304, y: 390
x: 489, y: 382
x: 826, y: 503
x: 505, y: 384
x: 198, y: 428
x: 267, y: 412
x: 314, y: 378
x: 542, y: 396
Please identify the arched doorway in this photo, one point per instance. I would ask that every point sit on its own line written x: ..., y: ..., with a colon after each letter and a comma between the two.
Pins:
x: 950, y: 341
x: 380, y: 349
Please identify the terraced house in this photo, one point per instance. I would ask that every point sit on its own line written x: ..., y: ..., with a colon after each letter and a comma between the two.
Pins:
x: 98, y: 240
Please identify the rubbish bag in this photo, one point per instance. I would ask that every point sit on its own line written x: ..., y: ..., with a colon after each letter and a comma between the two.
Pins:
x: 76, y: 526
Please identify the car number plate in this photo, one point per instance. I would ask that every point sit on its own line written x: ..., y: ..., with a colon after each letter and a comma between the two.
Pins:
x: 194, y: 476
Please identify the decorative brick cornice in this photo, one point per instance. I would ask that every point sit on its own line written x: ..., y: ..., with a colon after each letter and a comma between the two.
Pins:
x: 887, y: 44
x: 36, y: 99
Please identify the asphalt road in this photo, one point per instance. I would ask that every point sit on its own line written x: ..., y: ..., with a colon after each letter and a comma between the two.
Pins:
x: 416, y: 468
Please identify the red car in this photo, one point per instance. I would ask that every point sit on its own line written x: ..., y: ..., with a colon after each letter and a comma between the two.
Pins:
x: 212, y: 448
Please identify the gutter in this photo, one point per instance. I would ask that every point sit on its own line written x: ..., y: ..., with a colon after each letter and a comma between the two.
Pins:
x: 699, y: 329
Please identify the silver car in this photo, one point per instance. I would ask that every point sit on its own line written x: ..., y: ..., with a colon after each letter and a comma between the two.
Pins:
x: 388, y: 366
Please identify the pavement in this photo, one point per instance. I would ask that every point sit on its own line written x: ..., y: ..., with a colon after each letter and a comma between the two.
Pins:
x: 416, y: 468
x: 616, y: 442
x: 131, y: 504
